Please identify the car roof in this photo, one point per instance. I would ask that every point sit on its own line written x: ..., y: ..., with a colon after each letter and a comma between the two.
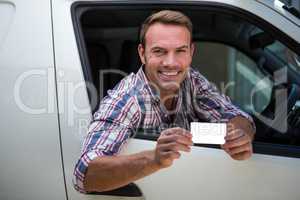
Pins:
x: 277, y: 6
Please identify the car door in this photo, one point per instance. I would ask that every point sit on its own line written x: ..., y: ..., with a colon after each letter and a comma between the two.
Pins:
x: 85, y: 41
x: 31, y: 164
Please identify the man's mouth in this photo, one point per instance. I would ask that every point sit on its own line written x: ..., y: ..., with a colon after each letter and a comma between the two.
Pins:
x: 168, y: 75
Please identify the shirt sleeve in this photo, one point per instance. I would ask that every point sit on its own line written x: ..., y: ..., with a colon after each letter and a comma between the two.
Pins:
x: 114, y: 122
x: 212, y: 104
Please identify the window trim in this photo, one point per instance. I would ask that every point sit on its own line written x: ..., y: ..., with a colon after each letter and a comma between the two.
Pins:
x: 78, y: 8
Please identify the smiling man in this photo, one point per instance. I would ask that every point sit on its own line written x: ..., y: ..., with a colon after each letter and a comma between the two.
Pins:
x: 167, y: 57
x: 162, y: 98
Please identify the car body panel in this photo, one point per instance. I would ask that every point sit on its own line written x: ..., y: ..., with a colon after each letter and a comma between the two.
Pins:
x: 218, y: 176
x: 71, y: 90
x: 31, y: 165
x: 211, y: 174
x: 277, y: 6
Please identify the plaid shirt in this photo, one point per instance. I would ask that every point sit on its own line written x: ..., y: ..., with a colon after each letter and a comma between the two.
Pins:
x: 134, y: 105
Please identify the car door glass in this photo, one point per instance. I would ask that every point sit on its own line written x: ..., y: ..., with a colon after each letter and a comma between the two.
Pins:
x: 234, y: 74
x: 290, y: 58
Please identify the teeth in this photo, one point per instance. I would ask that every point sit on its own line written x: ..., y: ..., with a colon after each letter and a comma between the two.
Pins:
x: 169, y: 73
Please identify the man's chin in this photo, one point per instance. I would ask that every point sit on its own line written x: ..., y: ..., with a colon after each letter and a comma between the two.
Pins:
x: 171, y: 87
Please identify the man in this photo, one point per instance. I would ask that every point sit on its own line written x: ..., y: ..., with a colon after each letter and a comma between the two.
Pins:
x: 163, y: 97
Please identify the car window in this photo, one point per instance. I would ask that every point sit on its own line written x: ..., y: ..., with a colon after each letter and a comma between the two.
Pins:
x: 290, y: 58
x: 238, y: 55
x: 235, y: 74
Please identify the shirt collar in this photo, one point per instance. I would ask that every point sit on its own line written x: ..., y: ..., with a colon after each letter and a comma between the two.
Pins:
x: 149, y: 87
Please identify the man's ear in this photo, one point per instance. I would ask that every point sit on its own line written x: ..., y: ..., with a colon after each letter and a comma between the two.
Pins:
x: 141, y: 51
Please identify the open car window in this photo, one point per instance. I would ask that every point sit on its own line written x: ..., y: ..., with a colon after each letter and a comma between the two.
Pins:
x: 236, y: 51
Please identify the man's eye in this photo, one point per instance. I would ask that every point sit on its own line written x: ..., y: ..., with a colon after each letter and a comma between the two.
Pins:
x: 181, y: 50
x: 158, y: 52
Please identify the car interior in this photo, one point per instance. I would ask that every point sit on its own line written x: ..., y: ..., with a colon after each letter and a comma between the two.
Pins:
x: 230, y: 48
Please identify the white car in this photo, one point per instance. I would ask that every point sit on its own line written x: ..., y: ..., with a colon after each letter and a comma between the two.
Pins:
x: 57, y: 57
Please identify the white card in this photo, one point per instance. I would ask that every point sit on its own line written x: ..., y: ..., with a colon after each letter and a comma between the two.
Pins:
x: 208, y: 133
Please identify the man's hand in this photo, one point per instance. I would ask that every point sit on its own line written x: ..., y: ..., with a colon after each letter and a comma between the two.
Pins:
x: 170, y: 142
x: 238, y: 141
x: 106, y: 173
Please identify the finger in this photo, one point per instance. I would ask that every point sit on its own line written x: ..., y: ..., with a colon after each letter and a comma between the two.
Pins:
x: 177, y: 130
x: 174, y: 147
x: 240, y: 149
x: 225, y: 149
x: 237, y: 142
x: 242, y: 156
x: 170, y: 155
x: 183, y: 140
x: 234, y: 134
x: 231, y: 127
x: 175, y: 138
x: 183, y: 132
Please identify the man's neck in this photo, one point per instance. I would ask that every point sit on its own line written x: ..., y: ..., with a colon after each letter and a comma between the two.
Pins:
x: 167, y: 99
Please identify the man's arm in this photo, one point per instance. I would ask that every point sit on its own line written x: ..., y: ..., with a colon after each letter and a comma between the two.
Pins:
x: 111, y: 172
x: 240, y: 134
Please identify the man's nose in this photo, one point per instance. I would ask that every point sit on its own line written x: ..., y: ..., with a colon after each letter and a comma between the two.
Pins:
x: 170, y: 60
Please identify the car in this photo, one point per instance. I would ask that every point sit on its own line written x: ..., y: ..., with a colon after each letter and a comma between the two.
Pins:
x: 59, y: 57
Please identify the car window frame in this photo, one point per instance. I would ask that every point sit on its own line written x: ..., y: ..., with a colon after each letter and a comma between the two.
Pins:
x: 78, y: 8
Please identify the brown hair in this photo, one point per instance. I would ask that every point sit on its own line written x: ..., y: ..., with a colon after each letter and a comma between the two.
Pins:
x: 165, y: 17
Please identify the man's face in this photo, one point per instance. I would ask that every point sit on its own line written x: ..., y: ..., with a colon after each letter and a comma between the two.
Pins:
x: 167, y: 55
